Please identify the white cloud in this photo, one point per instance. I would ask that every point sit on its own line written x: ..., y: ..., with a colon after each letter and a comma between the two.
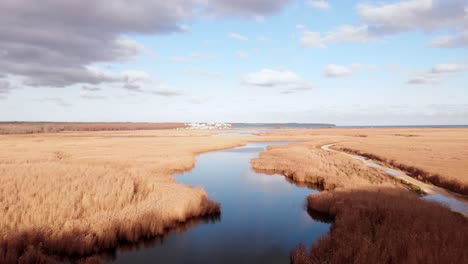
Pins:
x: 276, y: 78
x: 414, y: 14
x: 242, y: 54
x: 333, y: 70
x: 60, y: 39
x: 320, y: 4
x: 451, y: 41
x: 423, y: 79
x: 237, y: 36
x: 436, y: 73
x: 385, y: 19
x: 342, y: 34
x: 448, y: 68
x: 135, y: 81
x: 311, y: 39
x: 349, y: 34
x: 426, y: 15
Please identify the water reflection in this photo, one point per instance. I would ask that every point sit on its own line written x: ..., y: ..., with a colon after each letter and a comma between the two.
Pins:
x: 452, y: 203
x: 263, y: 216
x: 321, y: 217
x: 111, y: 255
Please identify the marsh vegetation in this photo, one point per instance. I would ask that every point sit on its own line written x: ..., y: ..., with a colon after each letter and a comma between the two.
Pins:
x: 385, y: 225
x: 79, y: 194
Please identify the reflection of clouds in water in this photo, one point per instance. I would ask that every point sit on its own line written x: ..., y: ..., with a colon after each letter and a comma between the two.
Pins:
x: 268, y: 183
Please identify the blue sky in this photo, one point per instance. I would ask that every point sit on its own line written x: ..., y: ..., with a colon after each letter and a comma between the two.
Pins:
x: 342, y: 62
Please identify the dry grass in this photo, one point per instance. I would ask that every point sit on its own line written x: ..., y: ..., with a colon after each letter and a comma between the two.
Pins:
x: 50, y: 127
x: 436, y: 155
x: 442, y: 152
x: 374, y: 221
x: 385, y: 225
x: 305, y: 163
x: 417, y: 173
x: 81, y: 193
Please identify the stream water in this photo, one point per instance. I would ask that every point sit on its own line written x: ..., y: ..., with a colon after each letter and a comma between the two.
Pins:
x: 456, y: 203
x: 262, y: 217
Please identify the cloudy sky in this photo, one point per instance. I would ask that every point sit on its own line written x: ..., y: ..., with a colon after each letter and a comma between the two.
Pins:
x: 345, y: 62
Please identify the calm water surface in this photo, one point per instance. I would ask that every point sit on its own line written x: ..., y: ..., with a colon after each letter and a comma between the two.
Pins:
x: 454, y: 204
x: 262, y: 216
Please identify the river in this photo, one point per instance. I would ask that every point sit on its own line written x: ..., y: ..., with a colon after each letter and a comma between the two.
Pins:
x: 262, y: 216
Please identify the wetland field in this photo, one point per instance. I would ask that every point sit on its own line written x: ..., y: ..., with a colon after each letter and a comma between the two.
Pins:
x: 324, y: 195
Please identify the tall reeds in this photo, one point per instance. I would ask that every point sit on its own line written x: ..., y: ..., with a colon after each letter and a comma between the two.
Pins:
x: 304, y: 163
x: 79, y: 194
x: 417, y: 173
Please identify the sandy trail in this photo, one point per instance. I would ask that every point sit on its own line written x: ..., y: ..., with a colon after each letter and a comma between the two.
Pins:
x: 400, y: 175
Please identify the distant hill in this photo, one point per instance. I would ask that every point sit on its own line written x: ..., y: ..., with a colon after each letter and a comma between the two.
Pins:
x: 280, y: 125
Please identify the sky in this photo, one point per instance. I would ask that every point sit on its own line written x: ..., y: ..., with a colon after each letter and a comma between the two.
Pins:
x: 343, y: 62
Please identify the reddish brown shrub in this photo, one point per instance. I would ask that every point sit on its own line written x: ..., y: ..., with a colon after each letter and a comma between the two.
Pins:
x: 385, y: 225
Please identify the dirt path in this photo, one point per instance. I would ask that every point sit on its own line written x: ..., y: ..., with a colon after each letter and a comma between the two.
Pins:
x: 398, y: 174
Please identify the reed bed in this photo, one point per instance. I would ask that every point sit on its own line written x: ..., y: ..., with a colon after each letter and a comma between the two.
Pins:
x: 438, y: 156
x: 79, y: 194
x: 385, y: 225
x: 417, y: 173
x: 435, y: 155
x: 305, y: 163
x: 373, y: 219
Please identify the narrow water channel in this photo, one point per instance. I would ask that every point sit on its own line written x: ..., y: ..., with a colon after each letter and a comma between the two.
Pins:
x: 455, y: 202
x: 262, y: 216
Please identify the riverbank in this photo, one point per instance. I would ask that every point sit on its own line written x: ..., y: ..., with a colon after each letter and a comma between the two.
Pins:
x: 78, y: 193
